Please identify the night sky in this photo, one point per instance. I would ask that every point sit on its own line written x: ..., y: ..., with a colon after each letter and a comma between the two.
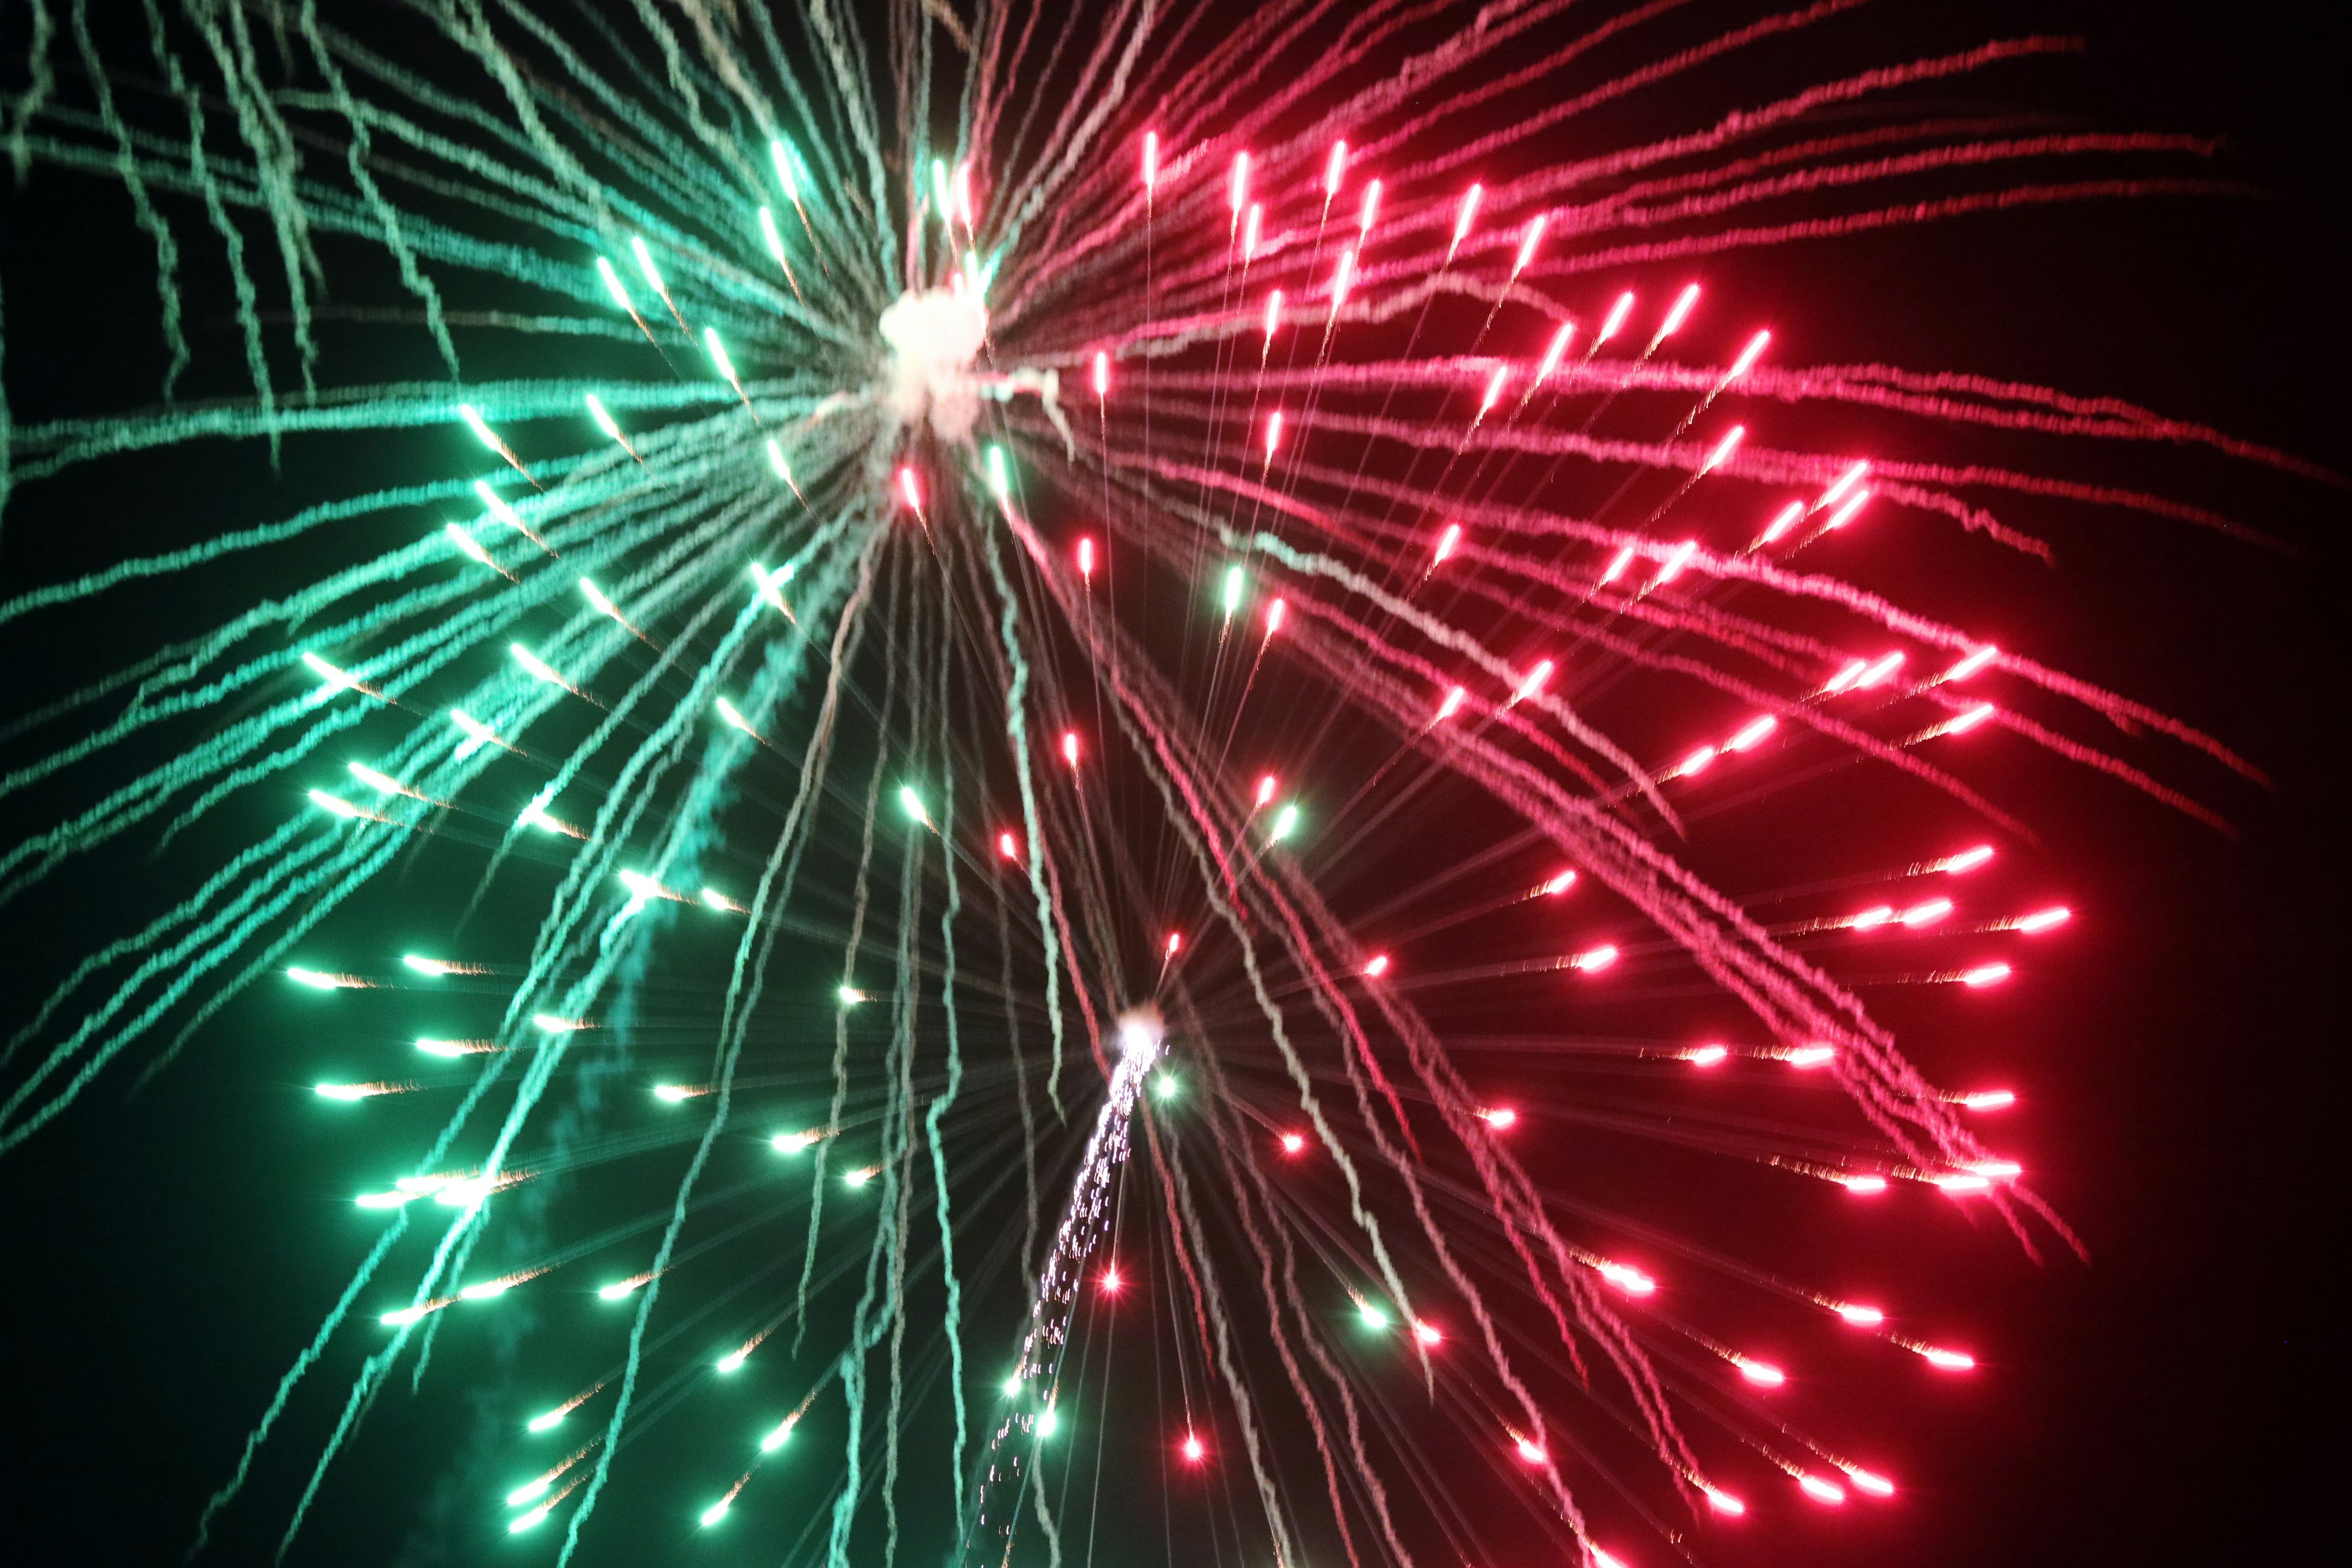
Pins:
x: 163, y: 1255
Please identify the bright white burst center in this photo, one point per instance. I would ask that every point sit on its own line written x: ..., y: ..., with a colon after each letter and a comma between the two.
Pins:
x: 933, y: 338
x: 1140, y: 1033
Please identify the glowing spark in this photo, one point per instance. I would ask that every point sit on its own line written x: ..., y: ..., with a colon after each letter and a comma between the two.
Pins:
x: 1086, y: 558
x: 1272, y: 434
x: 780, y: 154
x: 318, y: 980
x: 734, y: 716
x: 1764, y: 1374
x: 1284, y: 821
x: 1879, y: 673
x: 1378, y: 967
x: 1501, y: 1118
x: 1273, y: 315
x: 1785, y: 520
x: 907, y: 491
x: 336, y: 805
x: 645, y: 266
x: 794, y: 1142
x: 1372, y: 1315
x: 1534, y: 681
x: 534, y: 666
x: 1972, y: 663
x: 1617, y: 565
x: 1333, y: 171
x: 432, y: 1048
x: 1965, y: 862
x: 1680, y: 313
x: 1453, y: 703
x: 1527, y: 246
x: 1493, y: 391
x: 1070, y: 747
x: 1008, y: 847
x: 1617, y: 314
x: 1552, y: 356
x: 1274, y: 614
x: 1753, y: 733
x: 1860, y: 1317
x: 1461, y: 219
x: 1445, y: 544
x: 1267, y: 784
x: 1151, y: 161
x: 1985, y: 974
x: 614, y: 286
x: 1292, y: 1143
x: 1530, y: 1450
x: 467, y: 545
x: 1723, y: 1501
x: 1194, y: 1450
x: 1844, y: 514
x: 1238, y: 191
x: 1706, y: 1056
x: 1821, y: 1491
x: 1948, y: 1361
x: 1695, y: 763
x: 1863, y: 1480
x: 1558, y: 884
x: 1724, y: 449
x: 336, y: 679
x: 1845, y: 481
x: 1175, y: 942
x: 1986, y: 1099
x: 1863, y: 1185
x: 1811, y: 1055
x: 1633, y: 1281
x: 1102, y: 374
x: 1429, y: 1334
x: 1593, y: 960
x: 1926, y: 914
x: 1372, y: 210
x: 1747, y: 357
x: 781, y: 1435
x: 350, y: 1091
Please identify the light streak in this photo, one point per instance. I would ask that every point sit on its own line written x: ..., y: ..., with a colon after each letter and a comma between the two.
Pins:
x: 1461, y: 219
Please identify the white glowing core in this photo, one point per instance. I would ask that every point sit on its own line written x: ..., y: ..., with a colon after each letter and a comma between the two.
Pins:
x: 934, y: 337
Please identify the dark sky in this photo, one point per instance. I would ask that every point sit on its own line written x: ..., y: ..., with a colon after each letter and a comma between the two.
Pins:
x: 2170, y: 1401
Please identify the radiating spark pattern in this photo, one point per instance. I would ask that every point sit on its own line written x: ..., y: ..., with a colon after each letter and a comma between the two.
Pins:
x: 1056, y: 605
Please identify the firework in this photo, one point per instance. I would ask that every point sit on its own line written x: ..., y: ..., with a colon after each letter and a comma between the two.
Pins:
x: 1236, y: 473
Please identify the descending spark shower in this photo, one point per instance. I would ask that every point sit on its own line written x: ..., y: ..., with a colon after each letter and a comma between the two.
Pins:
x: 1065, y: 687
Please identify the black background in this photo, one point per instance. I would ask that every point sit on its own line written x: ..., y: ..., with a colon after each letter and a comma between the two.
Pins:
x: 2177, y: 1400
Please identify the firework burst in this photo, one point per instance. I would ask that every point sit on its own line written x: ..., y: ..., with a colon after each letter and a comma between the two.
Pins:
x: 1067, y: 635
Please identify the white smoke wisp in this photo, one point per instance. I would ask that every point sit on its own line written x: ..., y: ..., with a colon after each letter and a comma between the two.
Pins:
x: 934, y: 337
